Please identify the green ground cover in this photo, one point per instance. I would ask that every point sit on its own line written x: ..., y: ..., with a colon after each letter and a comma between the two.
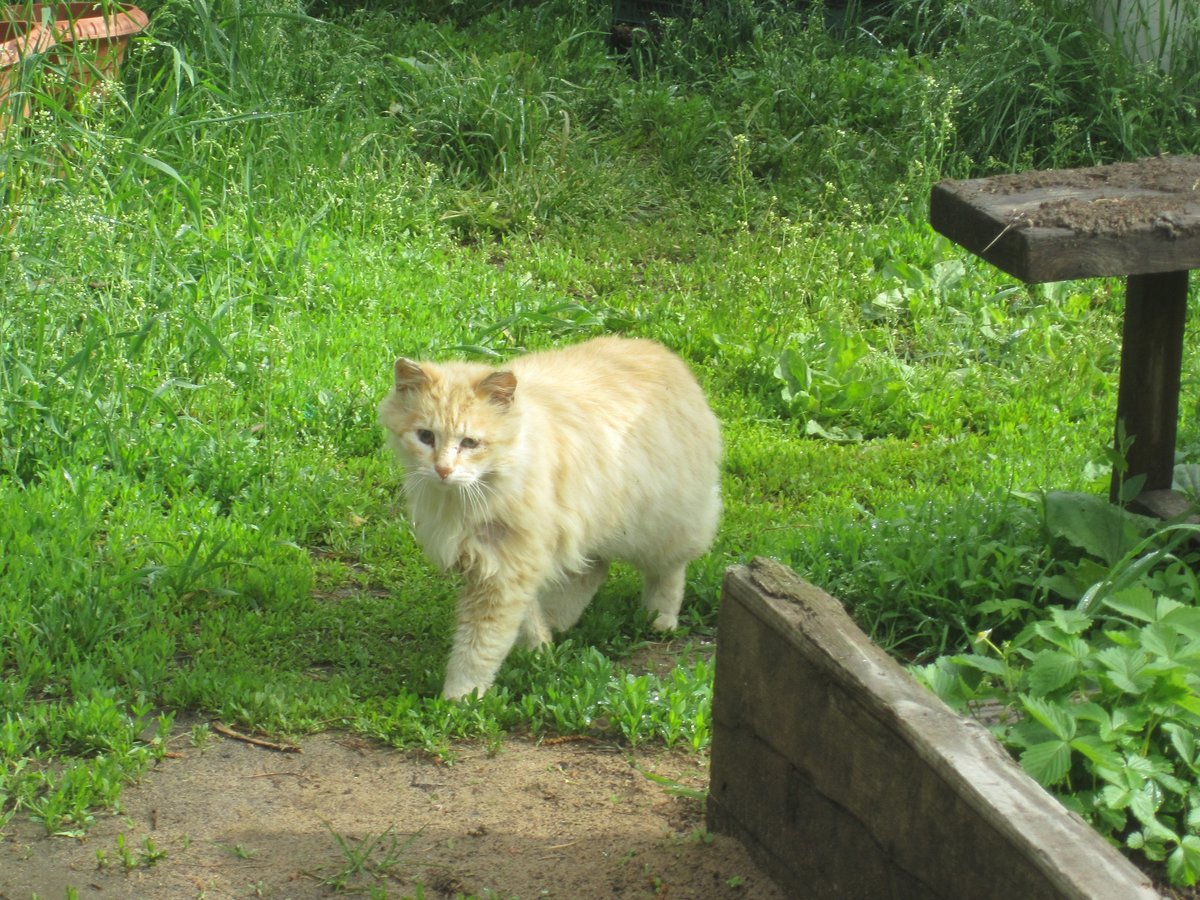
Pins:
x: 206, y: 273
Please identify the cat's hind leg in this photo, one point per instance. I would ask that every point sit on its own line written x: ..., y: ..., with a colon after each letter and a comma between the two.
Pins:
x: 563, y: 602
x: 662, y: 593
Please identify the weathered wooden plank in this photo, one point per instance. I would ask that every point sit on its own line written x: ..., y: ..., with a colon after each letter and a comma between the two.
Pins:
x: 1124, y: 219
x: 1151, y: 361
x: 848, y: 779
x: 790, y: 835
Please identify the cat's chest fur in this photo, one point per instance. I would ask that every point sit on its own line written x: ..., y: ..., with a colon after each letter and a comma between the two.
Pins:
x: 455, y: 538
x: 441, y: 527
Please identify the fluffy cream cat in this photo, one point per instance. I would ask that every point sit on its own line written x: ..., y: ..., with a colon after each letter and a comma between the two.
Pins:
x: 531, y: 479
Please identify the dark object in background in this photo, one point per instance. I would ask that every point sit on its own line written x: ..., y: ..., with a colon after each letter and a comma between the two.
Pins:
x: 630, y: 15
x: 842, y: 14
x: 648, y: 13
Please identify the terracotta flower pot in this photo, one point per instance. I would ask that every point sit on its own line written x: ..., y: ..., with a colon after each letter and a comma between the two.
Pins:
x: 17, y: 41
x: 86, y: 40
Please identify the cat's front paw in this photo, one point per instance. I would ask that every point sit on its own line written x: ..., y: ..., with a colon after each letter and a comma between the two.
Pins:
x: 666, y: 622
x: 457, y: 688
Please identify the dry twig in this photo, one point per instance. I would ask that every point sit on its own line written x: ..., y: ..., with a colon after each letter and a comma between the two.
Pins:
x: 550, y: 742
x: 221, y: 728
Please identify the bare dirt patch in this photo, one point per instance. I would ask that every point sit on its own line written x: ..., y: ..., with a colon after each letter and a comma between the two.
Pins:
x: 569, y: 820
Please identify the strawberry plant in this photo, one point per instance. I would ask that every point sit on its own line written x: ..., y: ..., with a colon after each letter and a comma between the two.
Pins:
x: 1102, y: 701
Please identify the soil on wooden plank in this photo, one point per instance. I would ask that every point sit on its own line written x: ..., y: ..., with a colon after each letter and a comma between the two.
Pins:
x: 573, y: 819
x: 1162, y: 192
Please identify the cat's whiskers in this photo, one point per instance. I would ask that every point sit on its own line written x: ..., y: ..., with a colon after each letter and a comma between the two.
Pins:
x: 473, y: 496
x: 496, y: 472
x: 476, y: 494
x: 470, y: 500
x: 416, y: 479
x: 424, y: 489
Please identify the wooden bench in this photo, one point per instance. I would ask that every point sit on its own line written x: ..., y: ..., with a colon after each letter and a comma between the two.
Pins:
x: 1140, y: 220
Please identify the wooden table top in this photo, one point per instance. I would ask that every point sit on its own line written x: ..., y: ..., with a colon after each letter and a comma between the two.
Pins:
x: 1124, y: 219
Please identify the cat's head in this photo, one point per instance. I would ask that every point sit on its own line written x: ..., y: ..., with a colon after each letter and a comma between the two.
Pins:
x: 450, y: 423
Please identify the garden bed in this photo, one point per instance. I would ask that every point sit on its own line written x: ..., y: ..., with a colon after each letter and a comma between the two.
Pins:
x: 846, y: 778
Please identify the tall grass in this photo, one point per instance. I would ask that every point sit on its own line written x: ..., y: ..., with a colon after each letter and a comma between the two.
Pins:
x: 1043, y: 84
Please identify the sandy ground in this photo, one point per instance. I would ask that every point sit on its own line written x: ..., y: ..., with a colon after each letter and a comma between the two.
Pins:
x: 556, y: 820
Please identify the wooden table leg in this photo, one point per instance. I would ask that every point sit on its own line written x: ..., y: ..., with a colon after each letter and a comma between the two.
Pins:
x: 1151, y: 360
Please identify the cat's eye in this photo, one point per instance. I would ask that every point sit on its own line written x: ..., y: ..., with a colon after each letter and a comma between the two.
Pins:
x: 425, y: 436
x: 468, y: 443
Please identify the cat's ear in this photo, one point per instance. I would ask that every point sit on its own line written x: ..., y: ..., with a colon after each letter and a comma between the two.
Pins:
x: 498, y: 388
x: 409, y: 375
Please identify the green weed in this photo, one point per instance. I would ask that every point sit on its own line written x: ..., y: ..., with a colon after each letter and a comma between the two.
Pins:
x: 125, y: 855
x: 670, y: 786
x: 362, y: 857
x: 241, y: 851
x: 201, y: 736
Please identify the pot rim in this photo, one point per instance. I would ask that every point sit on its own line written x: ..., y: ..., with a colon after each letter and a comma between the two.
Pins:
x: 79, y: 24
x: 30, y: 40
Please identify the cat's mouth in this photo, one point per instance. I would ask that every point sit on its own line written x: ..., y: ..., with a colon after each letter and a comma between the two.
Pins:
x: 452, y: 480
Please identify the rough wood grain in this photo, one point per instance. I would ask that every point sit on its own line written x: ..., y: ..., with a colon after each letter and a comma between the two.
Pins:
x: 1078, y: 223
x: 848, y: 779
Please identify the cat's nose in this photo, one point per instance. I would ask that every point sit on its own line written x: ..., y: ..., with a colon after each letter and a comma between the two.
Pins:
x: 443, y: 471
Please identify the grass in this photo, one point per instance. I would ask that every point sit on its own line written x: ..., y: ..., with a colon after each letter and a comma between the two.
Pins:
x: 360, y: 855
x: 207, y: 271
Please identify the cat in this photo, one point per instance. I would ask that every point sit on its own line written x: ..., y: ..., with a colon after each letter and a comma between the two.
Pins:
x: 530, y: 479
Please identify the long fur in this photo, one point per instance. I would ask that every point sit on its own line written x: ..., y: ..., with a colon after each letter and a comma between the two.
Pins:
x: 532, y: 478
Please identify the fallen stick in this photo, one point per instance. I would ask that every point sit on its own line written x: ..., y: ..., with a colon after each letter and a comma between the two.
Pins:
x: 550, y: 742
x: 221, y: 728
